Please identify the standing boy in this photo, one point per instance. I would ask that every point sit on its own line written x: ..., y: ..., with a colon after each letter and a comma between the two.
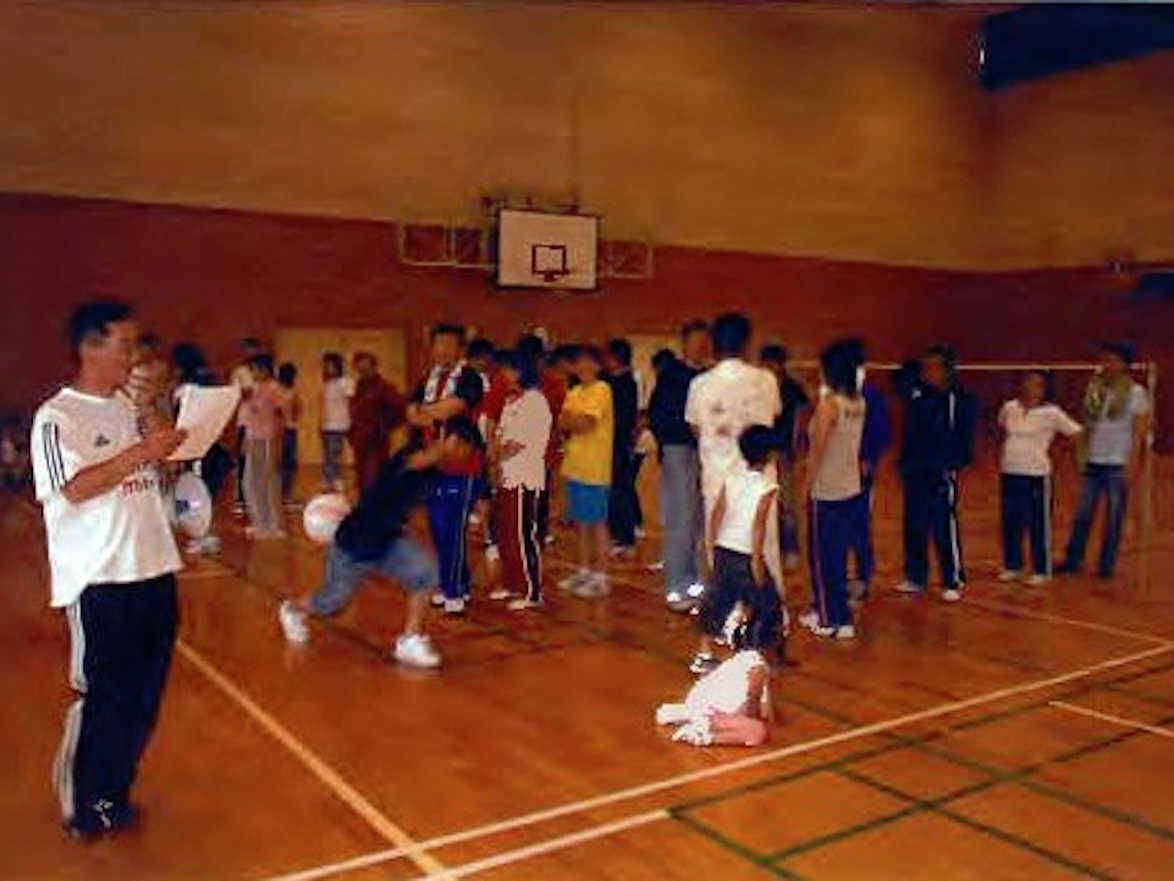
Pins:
x: 336, y: 419
x: 589, y: 423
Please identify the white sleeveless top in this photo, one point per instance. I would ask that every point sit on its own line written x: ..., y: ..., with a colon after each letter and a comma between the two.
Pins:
x: 838, y: 477
x: 724, y: 688
x: 744, y: 490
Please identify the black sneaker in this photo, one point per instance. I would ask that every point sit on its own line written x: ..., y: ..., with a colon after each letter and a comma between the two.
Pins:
x: 1067, y: 568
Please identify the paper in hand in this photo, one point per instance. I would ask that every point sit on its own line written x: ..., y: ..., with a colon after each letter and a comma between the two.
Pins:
x: 203, y: 413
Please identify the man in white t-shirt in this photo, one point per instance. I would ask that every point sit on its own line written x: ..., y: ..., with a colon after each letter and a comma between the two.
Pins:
x: 242, y: 378
x: 112, y: 560
x: 722, y: 403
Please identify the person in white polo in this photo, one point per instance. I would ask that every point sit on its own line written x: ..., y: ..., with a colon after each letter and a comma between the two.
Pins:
x: 112, y: 559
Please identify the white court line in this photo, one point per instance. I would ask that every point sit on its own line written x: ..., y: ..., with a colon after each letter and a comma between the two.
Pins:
x: 1060, y: 619
x: 725, y: 768
x: 405, y: 844
x: 551, y: 844
x: 1118, y: 720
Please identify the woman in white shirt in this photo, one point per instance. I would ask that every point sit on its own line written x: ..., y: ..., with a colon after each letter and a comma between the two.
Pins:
x: 336, y: 418
x: 518, y: 455
x: 1029, y: 422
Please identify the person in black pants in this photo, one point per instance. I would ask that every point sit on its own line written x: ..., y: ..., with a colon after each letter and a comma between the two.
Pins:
x: 938, y: 444
x: 112, y: 559
x: 622, y: 504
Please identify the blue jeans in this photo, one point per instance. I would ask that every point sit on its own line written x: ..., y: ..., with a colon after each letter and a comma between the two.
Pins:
x: 405, y: 561
x: 333, y: 444
x: 449, y: 505
x: 680, y: 505
x: 1107, y: 480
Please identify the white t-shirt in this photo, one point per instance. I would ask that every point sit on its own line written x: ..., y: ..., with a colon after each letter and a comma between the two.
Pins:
x: 120, y: 536
x: 525, y: 420
x: 721, y: 404
x: 1029, y: 434
x: 744, y: 491
x: 1110, y: 441
x: 336, y: 408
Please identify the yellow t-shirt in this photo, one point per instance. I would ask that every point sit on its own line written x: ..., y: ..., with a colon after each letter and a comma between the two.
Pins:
x: 587, y: 455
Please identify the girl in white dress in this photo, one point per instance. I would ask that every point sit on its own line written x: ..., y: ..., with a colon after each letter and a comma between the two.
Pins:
x: 731, y: 704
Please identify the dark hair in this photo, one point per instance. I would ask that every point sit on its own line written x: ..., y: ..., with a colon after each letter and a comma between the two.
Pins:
x: 694, y: 326
x: 149, y: 340
x: 1122, y: 349
x: 855, y: 347
x: 838, y: 363
x: 756, y: 444
x: 567, y: 352
x: 250, y: 342
x: 456, y: 330
x: 358, y: 356
x: 773, y: 354
x: 662, y: 359
x: 731, y: 333
x: 287, y: 373
x: 591, y: 352
x: 621, y: 350
x: 463, y: 427
x: 334, y: 360
x: 263, y: 361
x: 763, y: 629
x: 93, y: 319
x: 481, y: 347
x: 522, y: 364
x: 945, y: 352
x: 190, y: 360
x: 531, y: 346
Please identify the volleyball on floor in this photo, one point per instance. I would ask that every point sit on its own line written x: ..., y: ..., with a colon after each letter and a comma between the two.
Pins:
x: 322, y: 514
x: 191, y: 505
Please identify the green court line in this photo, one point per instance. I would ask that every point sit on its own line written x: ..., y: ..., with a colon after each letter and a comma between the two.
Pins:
x: 733, y: 846
x: 936, y: 806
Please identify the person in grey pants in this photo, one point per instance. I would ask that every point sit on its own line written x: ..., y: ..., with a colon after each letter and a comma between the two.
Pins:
x: 680, y: 488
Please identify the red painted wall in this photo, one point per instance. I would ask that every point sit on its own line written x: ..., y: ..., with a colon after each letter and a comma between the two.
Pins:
x: 214, y: 276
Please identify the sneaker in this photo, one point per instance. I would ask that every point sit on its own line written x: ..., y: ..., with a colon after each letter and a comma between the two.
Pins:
x: 640, y: 532
x: 809, y: 618
x: 548, y: 541
x: 454, y: 607
x: 655, y: 566
x: 492, y: 554
x: 1038, y: 580
x: 571, y: 582
x: 909, y: 587
x: 697, y: 733
x: 1105, y: 574
x: 1010, y: 575
x: 521, y: 604
x: 500, y: 594
x: 238, y: 509
x: 626, y: 552
x: 678, y: 601
x: 952, y: 594
x: 845, y: 631
x: 702, y: 663
x: 415, y: 650
x: 596, y: 584
x: 293, y: 623
x: 438, y: 599
x: 695, y: 591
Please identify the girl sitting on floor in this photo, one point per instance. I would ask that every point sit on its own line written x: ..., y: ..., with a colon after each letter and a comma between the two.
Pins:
x: 731, y: 704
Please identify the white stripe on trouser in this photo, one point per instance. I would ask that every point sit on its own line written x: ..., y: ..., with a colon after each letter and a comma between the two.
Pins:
x: 62, y: 774
x: 955, y: 549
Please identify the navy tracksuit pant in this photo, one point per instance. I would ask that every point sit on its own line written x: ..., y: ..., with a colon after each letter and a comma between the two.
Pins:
x: 931, y: 509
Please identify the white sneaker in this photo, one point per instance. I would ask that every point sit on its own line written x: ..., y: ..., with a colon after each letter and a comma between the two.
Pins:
x: 640, y: 532
x: 415, y: 650
x: 656, y: 566
x: 626, y: 552
x: 500, y: 594
x: 596, y: 584
x: 492, y: 554
x: 549, y: 540
x: 909, y: 587
x: 1010, y: 575
x: 845, y: 631
x: 438, y: 599
x: 951, y: 595
x: 293, y: 623
x: 573, y: 580
x: 1038, y: 580
x: 521, y: 604
x: 809, y: 618
x: 695, y: 591
x: 454, y: 607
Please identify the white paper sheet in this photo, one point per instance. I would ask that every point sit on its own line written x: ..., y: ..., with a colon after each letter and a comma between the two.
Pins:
x: 203, y: 413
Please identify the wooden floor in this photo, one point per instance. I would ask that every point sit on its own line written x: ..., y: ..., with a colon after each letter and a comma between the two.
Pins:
x: 1021, y: 734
